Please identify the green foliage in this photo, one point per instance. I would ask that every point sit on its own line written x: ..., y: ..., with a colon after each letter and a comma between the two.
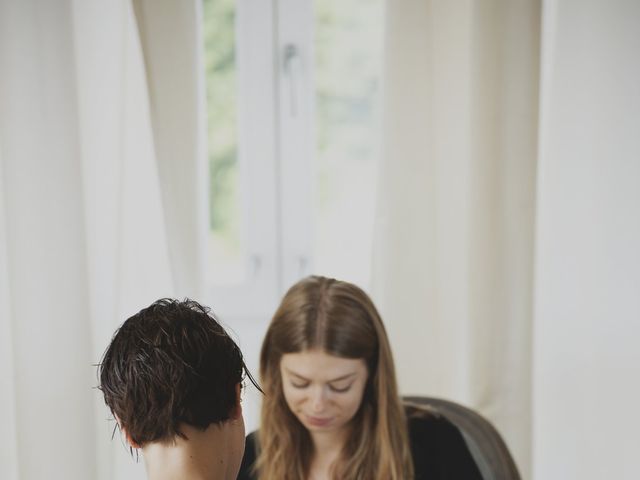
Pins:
x: 219, y: 39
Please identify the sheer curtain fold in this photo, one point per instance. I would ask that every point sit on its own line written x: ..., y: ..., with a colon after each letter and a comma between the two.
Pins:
x: 453, y: 269
x: 127, y: 250
x: 85, y: 214
x: 45, y: 245
x: 171, y: 44
x: 8, y: 441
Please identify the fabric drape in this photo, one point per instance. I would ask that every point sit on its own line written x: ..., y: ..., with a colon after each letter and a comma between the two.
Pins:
x: 453, y: 262
x: 8, y: 451
x: 506, y: 261
x: 170, y: 34
x: 94, y: 222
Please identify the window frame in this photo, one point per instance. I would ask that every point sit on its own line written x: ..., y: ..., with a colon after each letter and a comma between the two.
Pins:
x: 275, y: 153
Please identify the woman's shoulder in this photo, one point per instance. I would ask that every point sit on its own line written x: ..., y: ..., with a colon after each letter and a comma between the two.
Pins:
x: 252, y: 438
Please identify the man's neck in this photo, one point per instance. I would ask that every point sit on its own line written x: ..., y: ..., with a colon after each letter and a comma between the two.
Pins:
x: 211, y: 454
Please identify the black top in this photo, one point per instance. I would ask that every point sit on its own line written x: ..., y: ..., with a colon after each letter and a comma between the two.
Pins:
x: 438, y: 449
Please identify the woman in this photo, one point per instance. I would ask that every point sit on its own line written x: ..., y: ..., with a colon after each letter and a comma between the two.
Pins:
x: 331, y: 408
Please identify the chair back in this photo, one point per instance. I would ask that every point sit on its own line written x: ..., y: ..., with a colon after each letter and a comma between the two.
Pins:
x: 487, y: 447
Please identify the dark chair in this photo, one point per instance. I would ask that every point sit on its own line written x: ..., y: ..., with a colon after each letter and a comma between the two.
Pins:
x: 485, y: 443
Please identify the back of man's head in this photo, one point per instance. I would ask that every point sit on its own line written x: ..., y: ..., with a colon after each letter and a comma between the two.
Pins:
x: 170, y: 364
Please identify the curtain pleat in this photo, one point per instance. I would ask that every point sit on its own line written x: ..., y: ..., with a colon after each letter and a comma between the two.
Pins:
x: 8, y: 440
x: 453, y: 262
x: 45, y: 247
x: 172, y: 48
x: 87, y: 208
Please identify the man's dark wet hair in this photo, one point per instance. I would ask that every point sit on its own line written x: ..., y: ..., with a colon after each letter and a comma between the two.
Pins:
x: 171, y: 363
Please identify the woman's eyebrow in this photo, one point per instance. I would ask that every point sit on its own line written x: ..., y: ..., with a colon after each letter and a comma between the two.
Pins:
x: 343, y: 377
x: 296, y: 375
x: 337, y: 379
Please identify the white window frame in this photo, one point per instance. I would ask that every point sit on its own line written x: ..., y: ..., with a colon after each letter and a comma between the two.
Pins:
x: 274, y: 65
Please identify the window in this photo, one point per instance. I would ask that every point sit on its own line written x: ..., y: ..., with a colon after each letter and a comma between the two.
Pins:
x: 292, y: 90
x: 226, y: 236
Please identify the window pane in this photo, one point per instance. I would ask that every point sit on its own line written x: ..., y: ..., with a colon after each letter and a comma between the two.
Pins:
x: 226, y: 259
x: 348, y: 49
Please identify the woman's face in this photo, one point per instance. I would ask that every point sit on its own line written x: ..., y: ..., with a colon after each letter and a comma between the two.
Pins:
x: 323, y: 391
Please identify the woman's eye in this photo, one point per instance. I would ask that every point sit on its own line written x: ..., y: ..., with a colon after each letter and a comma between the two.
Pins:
x: 339, y: 389
x: 299, y: 385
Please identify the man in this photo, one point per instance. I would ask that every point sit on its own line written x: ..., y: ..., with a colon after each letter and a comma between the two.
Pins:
x: 172, y: 378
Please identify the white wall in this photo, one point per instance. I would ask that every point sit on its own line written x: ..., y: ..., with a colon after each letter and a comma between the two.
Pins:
x: 587, y: 319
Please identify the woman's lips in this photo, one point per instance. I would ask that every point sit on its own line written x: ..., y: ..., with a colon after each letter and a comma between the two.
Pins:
x: 318, y: 421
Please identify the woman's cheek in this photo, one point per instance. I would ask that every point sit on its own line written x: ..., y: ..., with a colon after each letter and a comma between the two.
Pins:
x: 292, y: 396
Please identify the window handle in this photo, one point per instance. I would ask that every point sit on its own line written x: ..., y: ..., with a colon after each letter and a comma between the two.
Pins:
x: 255, y: 263
x: 290, y: 65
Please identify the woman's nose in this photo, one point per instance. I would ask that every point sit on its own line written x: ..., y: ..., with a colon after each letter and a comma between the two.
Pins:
x: 318, y: 401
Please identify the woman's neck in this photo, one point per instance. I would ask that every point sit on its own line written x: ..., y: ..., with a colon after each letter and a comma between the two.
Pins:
x: 327, y: 447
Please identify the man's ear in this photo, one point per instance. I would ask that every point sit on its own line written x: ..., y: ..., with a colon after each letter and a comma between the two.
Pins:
x: 236, y: 411
x: 128, y: 438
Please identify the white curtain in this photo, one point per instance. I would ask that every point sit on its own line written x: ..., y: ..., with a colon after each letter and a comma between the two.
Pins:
x: 8, y: 457
x: 94, y: 225
x: 471, y: 211
x: 454, y: 241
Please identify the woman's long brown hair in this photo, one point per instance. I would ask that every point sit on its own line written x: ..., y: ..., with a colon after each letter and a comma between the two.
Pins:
x: 340, y: 319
